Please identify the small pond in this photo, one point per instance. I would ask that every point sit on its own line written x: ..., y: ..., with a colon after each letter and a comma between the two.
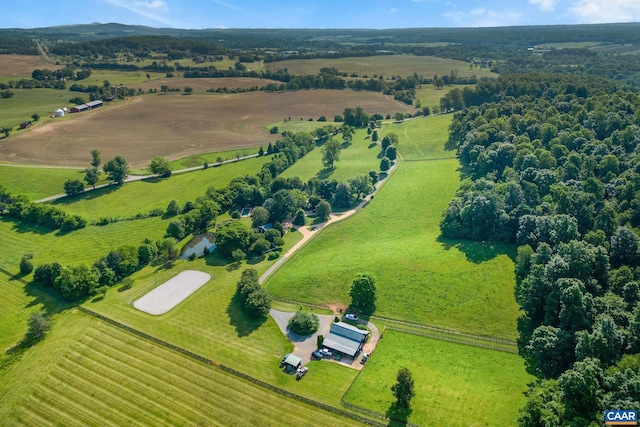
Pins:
x: 197, y: 245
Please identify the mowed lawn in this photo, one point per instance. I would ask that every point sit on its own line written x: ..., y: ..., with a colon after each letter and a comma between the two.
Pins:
x: 17, y: 302
x: 143, y: 196
x: 385, y: 65
x: 81, y: 246
x: 87, y: 372
x: 212, y: 323
x: 454, y: 384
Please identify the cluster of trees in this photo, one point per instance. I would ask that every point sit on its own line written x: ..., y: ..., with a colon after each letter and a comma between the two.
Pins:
x: 254, y: 299
x: 78, y: 282
x: 557, y: 172
x: 67, y: 73
x: 40, y: 214
x: 304, y: 323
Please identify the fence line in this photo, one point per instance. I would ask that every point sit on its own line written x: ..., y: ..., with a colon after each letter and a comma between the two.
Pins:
x: 504, y: 341
x: 456, y: 340
x: 234, y: 372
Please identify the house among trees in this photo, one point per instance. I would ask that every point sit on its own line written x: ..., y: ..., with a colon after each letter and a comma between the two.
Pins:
x: 345, y: 339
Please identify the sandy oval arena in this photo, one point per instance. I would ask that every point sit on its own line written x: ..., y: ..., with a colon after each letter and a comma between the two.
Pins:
x: 172, y: 292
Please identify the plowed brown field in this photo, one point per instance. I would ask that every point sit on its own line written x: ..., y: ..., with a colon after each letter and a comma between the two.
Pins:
x: 175, y: 126
x: 23, y: 65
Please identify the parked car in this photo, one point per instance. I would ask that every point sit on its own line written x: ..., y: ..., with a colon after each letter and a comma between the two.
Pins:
x: 326, y: 352
x: 301, y: 371
x: 351, y: 316
x: 317, y: 354
x: 364, y: 359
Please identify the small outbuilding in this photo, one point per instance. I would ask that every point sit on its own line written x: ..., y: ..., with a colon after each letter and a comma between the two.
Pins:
x: 59, y: 113
x: 94, y: 104
x: 291, y: 362
x: 79, y: 108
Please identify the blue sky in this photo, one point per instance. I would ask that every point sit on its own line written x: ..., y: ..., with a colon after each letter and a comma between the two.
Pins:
x: 316, y: 13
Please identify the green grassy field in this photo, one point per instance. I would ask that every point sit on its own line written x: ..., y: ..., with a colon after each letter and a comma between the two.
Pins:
x: 422, y: 139
x: 199, y: 159
x: 87, y: 372
x: 420, y: 276
x: 143, y: 196
x: 211, y: 323
x: 454, y: 384
x: 36, y: 182
x: 387, y: 66
x: 17, y: 302
x: 358, y: 158
x: 429, y: 96
x: 81, y: 246
x: 26, y: 102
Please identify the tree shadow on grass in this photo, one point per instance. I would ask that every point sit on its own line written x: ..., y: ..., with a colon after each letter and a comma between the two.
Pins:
x: 479, y: 252
x: 90, y: 194
x: 325, y: 173
x: 398, y: 416
x: 20, y: 227
x: 243, y: 324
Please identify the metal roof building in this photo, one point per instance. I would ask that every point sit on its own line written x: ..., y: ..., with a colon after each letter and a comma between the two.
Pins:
x: 345, y: 338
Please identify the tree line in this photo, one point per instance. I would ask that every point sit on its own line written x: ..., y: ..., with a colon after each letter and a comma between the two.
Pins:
x: 553, y: 166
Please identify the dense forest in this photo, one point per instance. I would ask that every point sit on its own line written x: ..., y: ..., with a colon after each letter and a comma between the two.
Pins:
x: 553, y: 163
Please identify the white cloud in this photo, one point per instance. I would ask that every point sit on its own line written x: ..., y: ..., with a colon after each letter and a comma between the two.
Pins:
x: 599, y: 11
x: 545, y: 5
x: 393, y: 10
x: 150, y: 9
x: 482, y: 17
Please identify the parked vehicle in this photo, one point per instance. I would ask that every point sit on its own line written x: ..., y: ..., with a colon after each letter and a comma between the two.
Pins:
x: 351, y: 316
x: 301, y: 371
x: 317, y: 354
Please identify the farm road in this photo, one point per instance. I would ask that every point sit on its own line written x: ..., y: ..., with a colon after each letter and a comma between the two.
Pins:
x: 133, y: 178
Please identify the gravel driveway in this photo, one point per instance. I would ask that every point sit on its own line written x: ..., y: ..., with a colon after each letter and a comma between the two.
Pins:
x: 304, y: 346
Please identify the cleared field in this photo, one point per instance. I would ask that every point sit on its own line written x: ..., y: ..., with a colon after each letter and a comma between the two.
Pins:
x: 17, y: 66
x: 202, y: 84
x: 422, y: 139
x: 80, y: 246
x: 143, y: 196
x: 420, y: 276
x: 17, y: 302
x: 212, y: 323
x: 430, y: 97
x: 461, y: 384
x: 387, y: 66
x: 358, y: 158
x: 176, y: 126
x: 36, y: 182
x: 172, y: 292
x: 90, y: 373
x: 25, y: 103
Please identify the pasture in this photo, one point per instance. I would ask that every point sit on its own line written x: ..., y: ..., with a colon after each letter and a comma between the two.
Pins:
x: 36, y: 182
x: 140, y: 197
x: 386, y: 66
x: 430, y: 97
x: 175, y: 126
x: 87, y: 372
x: 421, y: 277
x: 422, y: 139
x: 25, y: 103
x: 76, y: 247
x: 358, y: 158
x: 454, y: 383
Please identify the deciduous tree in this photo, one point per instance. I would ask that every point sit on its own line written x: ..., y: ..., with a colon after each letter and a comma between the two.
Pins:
x: 403, y: 389
x: 330, y: 153
x: 117, y: 169
x: 363, y: 293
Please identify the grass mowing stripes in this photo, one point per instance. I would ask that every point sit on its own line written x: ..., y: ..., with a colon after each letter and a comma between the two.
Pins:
x: 455, y: 384
x: 423, y: 138
x: 97, y: 374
